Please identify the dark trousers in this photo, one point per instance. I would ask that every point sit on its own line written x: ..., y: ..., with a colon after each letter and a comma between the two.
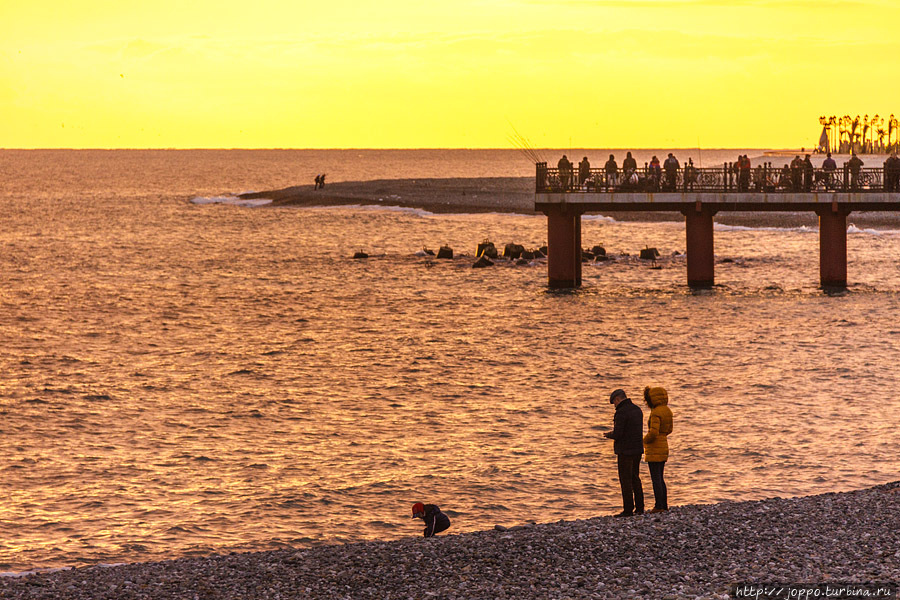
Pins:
x: 630, y: 480
x: 660, y: 493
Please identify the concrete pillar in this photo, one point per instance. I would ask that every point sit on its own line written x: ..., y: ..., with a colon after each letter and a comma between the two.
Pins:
x: 833, y: 248
x: 563, y: 248
x: 700, y: 252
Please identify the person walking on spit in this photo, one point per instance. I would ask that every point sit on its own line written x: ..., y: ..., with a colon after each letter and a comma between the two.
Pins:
x: 435, y: 520
x: 656, y: 445
x: 318, y: 181
x: 628, y: 427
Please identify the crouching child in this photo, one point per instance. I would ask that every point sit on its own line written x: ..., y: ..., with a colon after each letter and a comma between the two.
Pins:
x: 435, y: 520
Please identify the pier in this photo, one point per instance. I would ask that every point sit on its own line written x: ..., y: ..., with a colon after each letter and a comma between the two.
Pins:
x: 699, y: 194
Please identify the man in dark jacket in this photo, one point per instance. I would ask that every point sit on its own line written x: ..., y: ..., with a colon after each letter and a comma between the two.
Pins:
x: 628, y: 437
x: 435, y: 520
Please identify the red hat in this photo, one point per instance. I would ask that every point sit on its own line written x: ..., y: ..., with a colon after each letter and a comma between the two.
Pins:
x: 418, y: 507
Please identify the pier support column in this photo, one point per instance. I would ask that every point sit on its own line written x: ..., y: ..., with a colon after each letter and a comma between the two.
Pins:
x: 700, y: 252
x: 833, y: 247
x: 563, y: 247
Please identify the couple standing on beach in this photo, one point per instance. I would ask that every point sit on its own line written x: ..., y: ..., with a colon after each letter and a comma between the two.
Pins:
x: 630, y: 444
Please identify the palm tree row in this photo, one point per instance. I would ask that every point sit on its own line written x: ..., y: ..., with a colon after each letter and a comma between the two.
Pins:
x: 864, y: 135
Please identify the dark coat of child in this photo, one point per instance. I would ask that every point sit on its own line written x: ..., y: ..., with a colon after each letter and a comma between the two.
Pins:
x: 435, y: 520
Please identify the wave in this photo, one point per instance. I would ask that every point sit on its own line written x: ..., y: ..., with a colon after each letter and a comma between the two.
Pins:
x: 234, y: 200
x: 603, y: 218
x: 419, y: 212
x: 854, y: 229
x: 801, y: 229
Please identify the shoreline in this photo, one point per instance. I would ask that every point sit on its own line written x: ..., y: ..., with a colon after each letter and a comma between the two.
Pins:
x: 512, y: 195
x: 698, y: 551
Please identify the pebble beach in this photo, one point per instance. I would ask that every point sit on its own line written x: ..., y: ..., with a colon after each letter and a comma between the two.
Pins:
x: 694, y: 551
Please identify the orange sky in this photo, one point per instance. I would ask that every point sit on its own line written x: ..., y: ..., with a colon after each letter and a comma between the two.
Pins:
x: 407, y: 74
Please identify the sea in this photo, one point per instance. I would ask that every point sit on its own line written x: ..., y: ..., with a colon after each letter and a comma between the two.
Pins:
x: 183, y: 374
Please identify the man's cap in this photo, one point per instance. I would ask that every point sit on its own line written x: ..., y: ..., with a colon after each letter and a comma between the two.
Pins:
x: 417, y: 508
x: 617, y: 393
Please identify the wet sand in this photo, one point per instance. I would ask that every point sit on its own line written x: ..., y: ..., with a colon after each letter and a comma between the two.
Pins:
x: 697, y: 551
x: 512, y: 195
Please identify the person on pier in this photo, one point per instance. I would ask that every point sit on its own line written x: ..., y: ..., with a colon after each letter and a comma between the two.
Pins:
x: 829, y: 167
x: 612, y: 173
x: 655, y: 174
x: 435, y: 520
x: 671, y: 167
x: 629, y: 166
x: 808, y: 173
x: 628, y: 427
x: 891, y: 173
x: 796, y: 174
x: 656, y: 444
x: 565, y: 172
x: 584, y: 170
x: 855, y: 164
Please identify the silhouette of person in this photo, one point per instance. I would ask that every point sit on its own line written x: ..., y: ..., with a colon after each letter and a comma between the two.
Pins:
x: 584, y: 170
x: 854, y: 164
x: 565, y: 172
x: 671, y: 167
x: 627, y: 434
x: 318, y: 181
x: 612, y: 173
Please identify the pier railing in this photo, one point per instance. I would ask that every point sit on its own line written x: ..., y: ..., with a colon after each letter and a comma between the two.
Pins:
x: 727, y: 178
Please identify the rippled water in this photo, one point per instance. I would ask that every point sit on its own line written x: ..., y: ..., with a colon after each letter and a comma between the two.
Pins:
x: 179, y: 379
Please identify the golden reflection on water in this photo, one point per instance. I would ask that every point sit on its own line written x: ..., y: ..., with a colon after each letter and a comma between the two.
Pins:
x: 222, y: 378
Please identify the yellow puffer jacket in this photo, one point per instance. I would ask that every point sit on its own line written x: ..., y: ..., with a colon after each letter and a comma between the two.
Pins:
x: 659, y: 425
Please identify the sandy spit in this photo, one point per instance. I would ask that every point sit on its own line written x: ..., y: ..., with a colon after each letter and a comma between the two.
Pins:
x: 511, y: 195
x: 696, y: 551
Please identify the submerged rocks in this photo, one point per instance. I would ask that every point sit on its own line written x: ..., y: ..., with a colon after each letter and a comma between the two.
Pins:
x: 360, y: 254
x: 445, y: 252
x: 513, y: 251
x: 649, y: 254
x: 486, y: 248
x: 483, y: 261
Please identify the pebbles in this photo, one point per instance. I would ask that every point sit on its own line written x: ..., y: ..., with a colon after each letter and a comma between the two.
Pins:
x: 696, y: 551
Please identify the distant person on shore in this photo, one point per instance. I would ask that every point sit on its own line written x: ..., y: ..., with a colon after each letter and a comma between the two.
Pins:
x: 671, y: 167
x: 612, y: 173
x: 829, y: 167
x: 318, y: 181
x: 808, y: 173
x: 435, y: 520
x: 656, y: 444
x: 321, y: 180
x: 565, y: 172
x: 584, y: 170
x: 854, y: 165
x: 628, y: 427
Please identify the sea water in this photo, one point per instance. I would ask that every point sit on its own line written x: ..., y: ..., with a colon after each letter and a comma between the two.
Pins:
x: 182, y: 378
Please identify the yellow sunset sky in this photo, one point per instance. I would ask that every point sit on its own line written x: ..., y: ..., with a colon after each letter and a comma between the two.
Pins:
x: 416, y: 74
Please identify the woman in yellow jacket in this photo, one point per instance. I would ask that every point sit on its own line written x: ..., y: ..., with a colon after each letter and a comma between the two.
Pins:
x: 656, y: 445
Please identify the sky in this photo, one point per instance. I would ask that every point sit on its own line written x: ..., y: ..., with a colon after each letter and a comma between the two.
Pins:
x: 423, y: 74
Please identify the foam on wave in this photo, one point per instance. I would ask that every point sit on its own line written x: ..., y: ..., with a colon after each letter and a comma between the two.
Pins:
x: 235, y: 200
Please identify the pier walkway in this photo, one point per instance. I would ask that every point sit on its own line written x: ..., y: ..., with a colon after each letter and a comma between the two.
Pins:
x: 699, y: 194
